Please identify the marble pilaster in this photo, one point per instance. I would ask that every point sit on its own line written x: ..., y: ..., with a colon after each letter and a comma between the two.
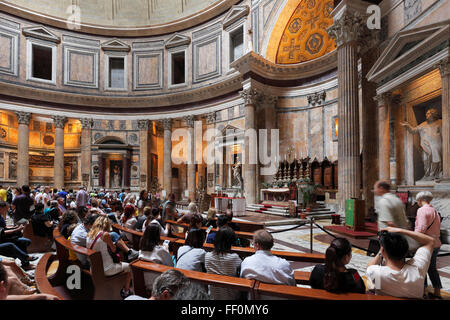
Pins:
x: 23, y: 161
x: 86, y: 126
x: 444, y: 68
x: 190, y: 121
x: 167, y: 181
x: 144, y: 153
x: 58, y: 165
x: 383, y: 101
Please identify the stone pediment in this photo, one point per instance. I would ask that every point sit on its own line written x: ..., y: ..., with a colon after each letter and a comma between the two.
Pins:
x: 115, y: 45
x: 42, y: 33
x: 230, y: 130
x: 409, y: 53
x: 235, y: 13
x: 177, y: 40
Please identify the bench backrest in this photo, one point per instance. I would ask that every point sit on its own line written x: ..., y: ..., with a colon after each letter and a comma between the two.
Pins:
x: 138, y: 267
x: 256, y: 289
x: 243, y: 252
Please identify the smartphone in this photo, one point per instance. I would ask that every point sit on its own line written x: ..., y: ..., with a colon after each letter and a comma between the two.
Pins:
x: 209, y: 229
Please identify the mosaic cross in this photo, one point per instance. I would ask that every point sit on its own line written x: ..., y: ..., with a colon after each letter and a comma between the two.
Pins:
x: 312, y: 21
x: 291, y: 49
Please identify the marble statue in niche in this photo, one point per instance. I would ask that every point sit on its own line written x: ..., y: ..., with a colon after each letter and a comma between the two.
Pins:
x: 116, y: 175
x: 430, y: 132
x: 238, y: 177
x: 13, y: 168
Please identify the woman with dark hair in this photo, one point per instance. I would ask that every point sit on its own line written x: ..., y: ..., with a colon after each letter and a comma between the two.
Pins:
x: 155, y: 218
x: 128, y: 220
x: 222, y: 261
x: 333, y: 276
x: 68, y: 218
x: 152, y: 250
x: 191, y: 256
x: 142, y: 202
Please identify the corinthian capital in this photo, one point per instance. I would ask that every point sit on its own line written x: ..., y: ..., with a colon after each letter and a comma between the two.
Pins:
x: 87, y: 123
x: 190, y: 120
x: 60, y: 121
x: 167, y: 123
x: 210, y: 118
x: 444, y: 66
x: 23, y: 117
x: 143, y: 124
x: 383, y: 99
x: 347, y: 28
x: 251, y: 96
x: 269, y: 100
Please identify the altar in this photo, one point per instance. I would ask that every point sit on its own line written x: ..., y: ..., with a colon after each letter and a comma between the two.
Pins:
x: 275, y: 194
x: 237, y: 205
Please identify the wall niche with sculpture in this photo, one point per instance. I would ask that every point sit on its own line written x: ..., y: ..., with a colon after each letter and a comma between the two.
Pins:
x: 424, y: 142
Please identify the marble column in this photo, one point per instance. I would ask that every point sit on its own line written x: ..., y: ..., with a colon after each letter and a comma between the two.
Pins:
x: 101, y: 170
x: 167, y: 125
x: 190, y: 122
x: 384, y: 167
x: 369, y: 129
x: 86, y: 126
x: 58, y: 165
x: 270, y: 122
x: 444, y: 68
x: 251, y: 98
x: 210, y: 123
x: 126, y: 170
x: 346, y: 30
x: 144, y: 153
x: 23, y: 161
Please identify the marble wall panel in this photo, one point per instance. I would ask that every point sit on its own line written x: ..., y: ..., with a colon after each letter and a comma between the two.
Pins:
x: 207, y: 58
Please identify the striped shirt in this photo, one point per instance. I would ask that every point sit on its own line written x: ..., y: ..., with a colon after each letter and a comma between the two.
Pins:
x: 227, y: 264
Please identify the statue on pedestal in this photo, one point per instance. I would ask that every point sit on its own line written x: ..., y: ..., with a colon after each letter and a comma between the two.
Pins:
x: 238, y: 177
x: 430, y: 132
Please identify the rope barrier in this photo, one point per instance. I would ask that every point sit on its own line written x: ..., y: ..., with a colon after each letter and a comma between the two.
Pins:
x: 297, y: 226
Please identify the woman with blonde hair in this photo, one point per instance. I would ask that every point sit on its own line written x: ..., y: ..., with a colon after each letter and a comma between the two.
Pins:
x: 100, y: 239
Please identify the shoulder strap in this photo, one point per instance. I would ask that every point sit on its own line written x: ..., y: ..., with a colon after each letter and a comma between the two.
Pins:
x: 184, y: 253
x: 433, y: 220
x: 98, y: 236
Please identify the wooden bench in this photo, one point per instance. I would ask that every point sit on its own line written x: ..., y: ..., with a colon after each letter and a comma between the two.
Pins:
x: 239, y: 234
x: 243, y: 252
x: 38, y: 243
x: 302, y: 277
x: 257, y: 290
x: 270, y: 291
x: 95, y: 285
x: 40, y: 276
x: 248, y: 226
x: 138, y: 267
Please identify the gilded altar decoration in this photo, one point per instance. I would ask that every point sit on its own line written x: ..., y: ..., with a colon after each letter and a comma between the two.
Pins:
x: 305, y: 36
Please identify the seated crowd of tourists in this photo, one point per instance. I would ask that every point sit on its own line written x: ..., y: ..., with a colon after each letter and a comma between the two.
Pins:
x: 86, y: 219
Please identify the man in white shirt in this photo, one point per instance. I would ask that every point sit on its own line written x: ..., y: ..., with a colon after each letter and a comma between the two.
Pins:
x: 396, y: 276
x: 264, y: 266
x: 389, y: 207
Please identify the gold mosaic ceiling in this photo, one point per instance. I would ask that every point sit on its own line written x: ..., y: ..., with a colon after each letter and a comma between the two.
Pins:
x: 305, y: 36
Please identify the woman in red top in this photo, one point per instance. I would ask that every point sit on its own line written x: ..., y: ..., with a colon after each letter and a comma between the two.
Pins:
x: 428, y: 221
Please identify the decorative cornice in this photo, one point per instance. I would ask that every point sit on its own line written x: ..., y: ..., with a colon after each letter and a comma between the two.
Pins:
x: 347, y: 28
x: 190, y: 121
x: 251, y: 96
x: 23, y: 117
x: 143, y: 124
x: 317, y: 98
x: 210, y: 118
x: 115, y: 45
x: 252, y: 62
x: 42, y: 33
x: 235, y: 13
x: 167, y: 123
x: 60, y: 121
x: 87, y: 123
x: 177, y: 40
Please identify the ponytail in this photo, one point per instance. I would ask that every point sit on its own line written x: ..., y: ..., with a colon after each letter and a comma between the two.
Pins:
x: 330, y: 278
x: 338, y: 248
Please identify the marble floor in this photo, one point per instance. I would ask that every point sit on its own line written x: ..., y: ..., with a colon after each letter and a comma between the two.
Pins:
x: 298, y: 240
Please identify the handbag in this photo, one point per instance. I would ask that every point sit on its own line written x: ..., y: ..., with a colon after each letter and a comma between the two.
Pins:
x: 114, y: 255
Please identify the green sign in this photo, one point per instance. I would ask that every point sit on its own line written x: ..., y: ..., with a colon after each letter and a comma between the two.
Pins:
x: 350, y: 212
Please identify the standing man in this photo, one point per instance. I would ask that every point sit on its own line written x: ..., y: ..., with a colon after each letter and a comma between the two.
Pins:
x: 21, y: 206
x: 389, y: 207
x: 82, y: 199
